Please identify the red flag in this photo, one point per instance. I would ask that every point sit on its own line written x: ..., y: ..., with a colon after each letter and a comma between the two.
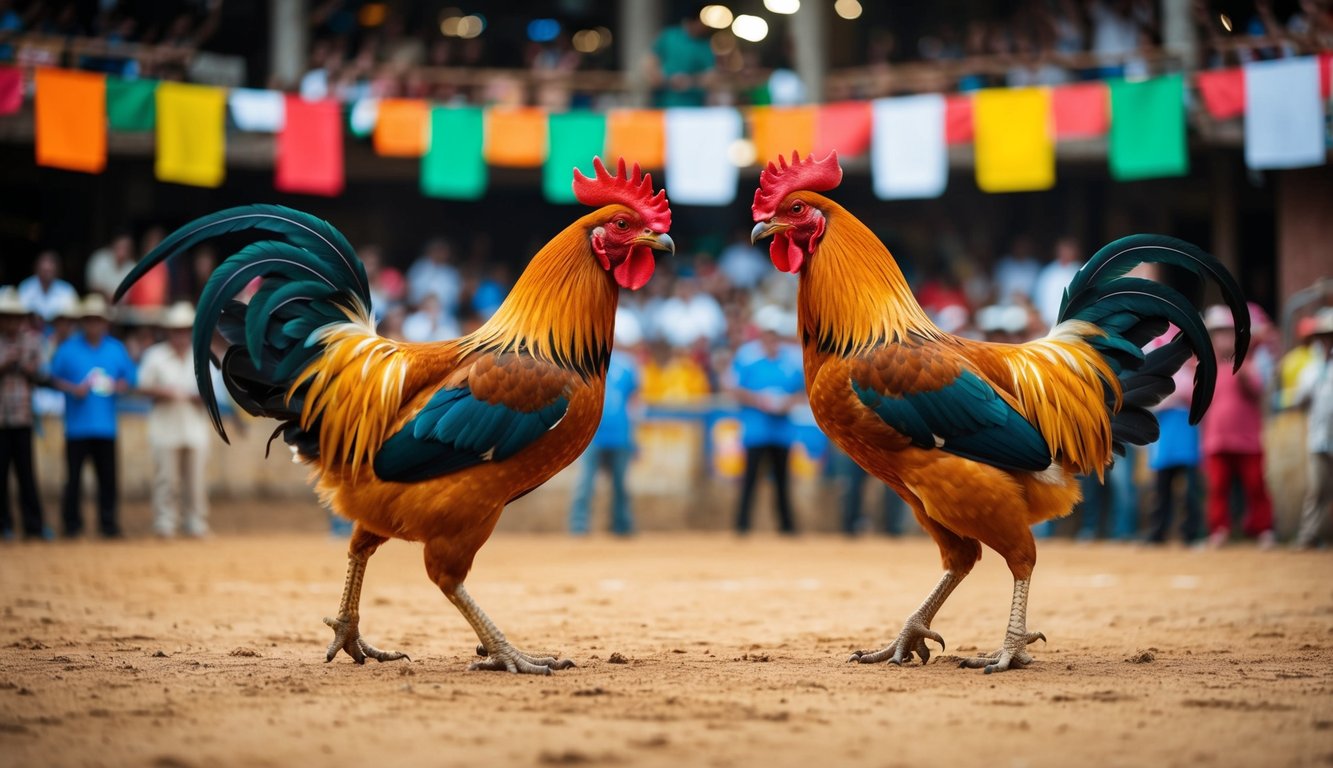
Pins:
x: 958, y: 119
x: 844, y: 126
x: 310, y: 148
x: 1081, y: 111
x: 1223, y: 92
x: 1325, y: 74
x: 11, y: 90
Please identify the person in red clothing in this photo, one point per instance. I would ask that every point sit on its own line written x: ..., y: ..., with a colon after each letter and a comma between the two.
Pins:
x: 1233, y: 440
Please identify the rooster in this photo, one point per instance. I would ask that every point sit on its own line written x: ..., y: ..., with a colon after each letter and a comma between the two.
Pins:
x: 982, y: 440
x: 422, y: 442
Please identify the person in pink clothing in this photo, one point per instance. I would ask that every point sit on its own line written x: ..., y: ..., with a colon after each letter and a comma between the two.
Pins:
x: 1233, y: 440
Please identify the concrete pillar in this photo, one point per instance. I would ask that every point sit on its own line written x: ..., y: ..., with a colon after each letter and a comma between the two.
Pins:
x: 640, y: 23
x: 810, y: 38
x: 289, y: 41
x: 1179, y: 35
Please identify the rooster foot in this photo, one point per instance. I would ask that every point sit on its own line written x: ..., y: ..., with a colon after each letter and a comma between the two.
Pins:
x: 509, y: 659
x: 1013, y: 655
x: 912, y: 640
x: 347, y: 637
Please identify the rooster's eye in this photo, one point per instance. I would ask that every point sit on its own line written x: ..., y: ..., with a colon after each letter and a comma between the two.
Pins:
x: 622, y: 224
x: 797, y: 207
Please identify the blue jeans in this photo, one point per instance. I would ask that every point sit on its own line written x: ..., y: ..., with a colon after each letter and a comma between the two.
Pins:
x: 853, y: 480
x: 616, y: 462
x: 1123, y: 501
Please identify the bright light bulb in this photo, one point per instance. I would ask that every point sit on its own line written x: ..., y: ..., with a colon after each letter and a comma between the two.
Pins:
x: 751, y: 28
x: 715, y: 16
x: 741, y: 153
x: 848, y: 9
x: 783, y: 6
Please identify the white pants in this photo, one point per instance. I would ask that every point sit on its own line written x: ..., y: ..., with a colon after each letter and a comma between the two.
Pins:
x: 1318, y: 497
x: 179, y: 486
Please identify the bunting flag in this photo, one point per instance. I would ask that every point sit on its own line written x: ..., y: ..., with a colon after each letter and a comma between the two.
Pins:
x: 71, y: 120
x: 1326, y: 75
x: 908, y: 158
x: 699, y: 170
x: 1014, y: 146
x: 516, y: 137
x: 1284, y: 114
x: 131, y: 105
x: 402, y: 128
x: 11, y: 90
x: 638, y: 135
x: 1148, y: 129
x: 958, y: 126
x: 576, y: 138
x: 361, y: 118
x: 1082, y: 111
x: 844, y: 126
x: 310, y: 148
x: 779, y: 130
x: 191, y: 144
x: 257, y: 111
x: 1223, y: 92
x: 454, y: 168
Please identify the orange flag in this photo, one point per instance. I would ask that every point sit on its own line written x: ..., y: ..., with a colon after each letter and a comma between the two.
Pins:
x: 402, y: 128
x: 780, y: 130
x: 71, y: 120
x: 516, y: 137
x: 638, y: 135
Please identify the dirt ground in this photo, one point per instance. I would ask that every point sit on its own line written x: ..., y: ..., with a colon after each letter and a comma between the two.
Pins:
x: 692, y: 650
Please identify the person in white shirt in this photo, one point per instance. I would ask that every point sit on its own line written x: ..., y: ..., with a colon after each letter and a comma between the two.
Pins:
x: 177, y: 428
x: 1317, y: 387
x: 109, y: 266
x: 44, y: 293
x: 690, y: 315
x: 1054, y: 278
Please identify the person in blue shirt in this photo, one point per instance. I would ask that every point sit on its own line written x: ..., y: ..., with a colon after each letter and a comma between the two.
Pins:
x: 768, y: 382
x: 612, y: 446
x: 92, y: 369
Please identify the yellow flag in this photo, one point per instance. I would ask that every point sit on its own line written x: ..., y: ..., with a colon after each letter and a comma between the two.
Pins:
x: 191, y: 139
x: 1014, y: 143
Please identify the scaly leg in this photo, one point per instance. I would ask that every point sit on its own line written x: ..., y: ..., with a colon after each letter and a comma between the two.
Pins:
x: 501, y: 656
x: 346, y: 629
x: 916, y: 629
x: 1016, y: 640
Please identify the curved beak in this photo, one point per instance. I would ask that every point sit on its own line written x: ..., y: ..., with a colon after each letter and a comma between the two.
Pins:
x: 764, y: 229
x: 662, y: 242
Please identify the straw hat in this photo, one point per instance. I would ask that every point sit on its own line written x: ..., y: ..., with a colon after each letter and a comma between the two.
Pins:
x: 10, y: 304
x: 178, y: 315
x: 94, y: 305
x: 1323, y: 322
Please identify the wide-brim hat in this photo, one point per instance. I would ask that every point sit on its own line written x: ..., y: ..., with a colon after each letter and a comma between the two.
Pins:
x: 1218, y: 318
x: 178, y: 316
x: 1323, y: 322
x: 94, y: 305
x: 10, y: 303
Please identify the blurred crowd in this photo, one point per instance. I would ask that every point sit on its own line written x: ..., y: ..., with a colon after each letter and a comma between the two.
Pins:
x: 712, y: 337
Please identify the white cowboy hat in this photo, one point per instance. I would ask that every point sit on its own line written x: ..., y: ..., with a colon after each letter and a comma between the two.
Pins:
x: 10, y: 304
x: 179, y: 315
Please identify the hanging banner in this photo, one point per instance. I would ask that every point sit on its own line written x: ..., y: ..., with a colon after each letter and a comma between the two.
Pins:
x: 780, y: 130
x: 576, y: 138
x: 908, y: 158
x: 516, y: 137
x: 131, y: 105
x: 1015, y: 149
x: 844, y: 126
x: 402, y: 128
x: 11, y: 90
x: 1284, y: 114
x: 1081, y: 111
x: 1223, y: 92
x: 638, y: 135
x: 310, y: 148
x: 191, y: 140
x: 1148, y: 129
x: 70, y: 120
x: 454, y: 167
x: 699, y: 170
x: 257, y: 111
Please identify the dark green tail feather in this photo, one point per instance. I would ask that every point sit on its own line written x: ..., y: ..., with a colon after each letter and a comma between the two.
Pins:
x: 310, y: 274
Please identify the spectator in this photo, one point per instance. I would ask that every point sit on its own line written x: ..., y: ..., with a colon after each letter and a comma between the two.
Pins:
x: 151, y: 289
x: 387, y: 285
x: 768, y: 384
x: 1301, y: 361
x: 1319, y: 440
x: 1117, y: 491
x: 742, y: 263
x: 851, y: 479
x: 612, y: 446
x: 108, y: 266
x: 1054, y: 278
x: 429, y: 322
x: 91, y: 368
x: 672, y: 376
x: 177, y: 428
x: 1175, y: 454
x: 681, y: 64
x: 1233, y: 439
x: 1016, y: 272
x: 44, y: 293
x: 434, y: 272
x: 690, y: 315
x: 20, y: 359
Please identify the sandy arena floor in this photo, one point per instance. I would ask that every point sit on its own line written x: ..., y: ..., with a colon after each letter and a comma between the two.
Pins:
x: 726, y: 653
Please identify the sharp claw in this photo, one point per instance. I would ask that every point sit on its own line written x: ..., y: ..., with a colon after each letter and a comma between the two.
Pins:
x: 481, y: 650
x: 933, y: 635
x: 1042, y: 636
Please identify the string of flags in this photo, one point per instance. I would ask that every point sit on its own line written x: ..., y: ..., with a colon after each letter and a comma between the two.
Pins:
x: 1014, y: 132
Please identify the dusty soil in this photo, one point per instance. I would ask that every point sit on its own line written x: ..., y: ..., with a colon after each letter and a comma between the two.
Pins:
x: 692, y: 650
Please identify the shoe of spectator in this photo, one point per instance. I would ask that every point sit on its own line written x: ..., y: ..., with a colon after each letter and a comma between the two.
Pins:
x: 1267, y: 540
x: 1218, y: 539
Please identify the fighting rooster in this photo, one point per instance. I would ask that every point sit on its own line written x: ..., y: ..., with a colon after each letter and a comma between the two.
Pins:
x: 422, y: 442
x: 983, y: 440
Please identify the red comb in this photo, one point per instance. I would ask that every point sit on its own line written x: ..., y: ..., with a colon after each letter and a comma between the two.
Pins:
x: 634, y: 190
x: 778, y: 181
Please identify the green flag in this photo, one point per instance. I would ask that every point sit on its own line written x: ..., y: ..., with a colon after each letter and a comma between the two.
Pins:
x: 453, y: 166
x: 131, y: 104
x: 1148, y: 129
x: 575, y: 138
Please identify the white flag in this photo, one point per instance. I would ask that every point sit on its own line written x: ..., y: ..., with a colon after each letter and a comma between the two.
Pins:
x: 1284, y: 116
x: 256, y: 110
x: 908, y: 155
x: 699, y: 170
